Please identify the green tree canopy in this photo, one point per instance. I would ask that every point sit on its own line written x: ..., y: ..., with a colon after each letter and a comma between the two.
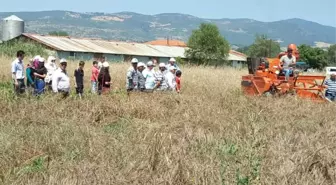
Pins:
x: 332, y: 54
x: 207, y: 46
x: 263, y: 47
x: 314, y: 57
x: 58, y: 33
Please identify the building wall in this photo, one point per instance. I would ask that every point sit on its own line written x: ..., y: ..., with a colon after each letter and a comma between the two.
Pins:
x: 114, y: 58
x: 74, y: 56
x: 88, y: 56
x: 109, y: 57
x: 238, y: 64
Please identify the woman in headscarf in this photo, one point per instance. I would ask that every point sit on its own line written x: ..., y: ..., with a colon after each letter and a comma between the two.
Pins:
x: 36, y: 61
x: 104, y: 79
x: 40, y: 74
x: 51, y: 68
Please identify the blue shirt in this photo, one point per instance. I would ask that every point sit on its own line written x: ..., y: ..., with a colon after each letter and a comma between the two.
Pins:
x: 331, y: 86
x: 18, y: 69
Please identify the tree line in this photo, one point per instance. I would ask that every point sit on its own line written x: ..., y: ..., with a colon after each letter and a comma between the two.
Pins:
x: 208, y: 47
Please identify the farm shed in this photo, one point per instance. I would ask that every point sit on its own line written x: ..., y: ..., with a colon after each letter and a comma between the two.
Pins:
x: 114, y: 51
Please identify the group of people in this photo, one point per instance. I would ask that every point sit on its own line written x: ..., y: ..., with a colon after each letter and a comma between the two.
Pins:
x: 42, y: 76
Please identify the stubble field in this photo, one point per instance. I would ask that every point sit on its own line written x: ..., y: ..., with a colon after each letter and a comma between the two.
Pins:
x: 209, y: 134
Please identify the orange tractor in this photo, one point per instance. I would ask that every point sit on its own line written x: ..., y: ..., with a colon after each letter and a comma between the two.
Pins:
x: 266, y: 77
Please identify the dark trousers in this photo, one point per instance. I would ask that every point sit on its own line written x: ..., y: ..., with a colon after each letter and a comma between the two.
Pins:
x: 21, y: 88
x: 80, y: 89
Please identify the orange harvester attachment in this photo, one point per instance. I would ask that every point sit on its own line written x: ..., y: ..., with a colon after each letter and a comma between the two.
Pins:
x: 266, y: 77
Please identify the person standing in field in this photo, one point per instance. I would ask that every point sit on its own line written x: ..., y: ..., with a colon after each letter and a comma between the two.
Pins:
x: 30, y: 77
x: 178, y: 81
x: 172, y: 62
x: 141, y: 79
x: 61, y: 80
x: 171, y: 79
x: 51, y: 68
x: 40, y: 73
x: 94, y: 77
x: 132, y: 76
x: 100, y: 63
x: 149, y: 75
x: 18, y: 75
x: 104, y: 79
x: 79, y: 79
x: 160, y: 82
x: 331, y: 87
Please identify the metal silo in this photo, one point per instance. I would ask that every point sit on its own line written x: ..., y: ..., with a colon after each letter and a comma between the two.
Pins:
x: 12, y: 27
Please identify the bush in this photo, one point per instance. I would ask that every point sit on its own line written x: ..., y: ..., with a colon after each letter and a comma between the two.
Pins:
x: 10, y: 48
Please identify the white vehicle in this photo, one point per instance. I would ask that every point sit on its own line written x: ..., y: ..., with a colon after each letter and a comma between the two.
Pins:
x: 330, y: 70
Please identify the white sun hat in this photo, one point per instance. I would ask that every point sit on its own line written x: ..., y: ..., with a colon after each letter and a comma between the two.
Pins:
x: 162, y: 65
x: 42, y: 60
x: 150, y: 63
x: 134, y: 61
x: 37, y: 57
x: 172, y: 60
x: 106, y: 64
x: 172, y: 68
x: 141, y: 64
x: 63, y: 61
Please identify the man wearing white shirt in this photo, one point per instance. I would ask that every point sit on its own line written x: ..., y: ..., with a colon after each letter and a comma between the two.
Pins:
x: 149, y: 75
x: 18, y: 75
x: 170, y: 78
x: 61, y: 80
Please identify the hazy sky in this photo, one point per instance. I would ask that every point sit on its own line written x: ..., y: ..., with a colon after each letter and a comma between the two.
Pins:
x: 321, y: 11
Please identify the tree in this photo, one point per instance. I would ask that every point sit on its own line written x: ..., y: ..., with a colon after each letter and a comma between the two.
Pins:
x: 58, y: 33
x: 263, y: 47
x: 207, y: 46
x: 314, y: 57
x: 332, y: 54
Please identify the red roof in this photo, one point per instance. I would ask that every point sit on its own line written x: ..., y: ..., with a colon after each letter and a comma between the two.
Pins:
x: 237, y: 53
x: 168, y: 43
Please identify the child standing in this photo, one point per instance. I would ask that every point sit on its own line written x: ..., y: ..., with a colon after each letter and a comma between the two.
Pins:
x: 94, y: 77
x: 79, y: 79
x: 178, y: 81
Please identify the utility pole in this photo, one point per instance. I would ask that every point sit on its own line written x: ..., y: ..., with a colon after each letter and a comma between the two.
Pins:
x: 270, y: 48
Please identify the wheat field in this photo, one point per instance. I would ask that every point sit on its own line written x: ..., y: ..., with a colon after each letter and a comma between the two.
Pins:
x: 209, y: 134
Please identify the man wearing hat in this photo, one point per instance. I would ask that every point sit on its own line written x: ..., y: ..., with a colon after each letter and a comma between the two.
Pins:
x: 172, y: 62
x: 61, y: 80
x: 149, y: 75
x: 170, y: 78
x: 160, y: 82
x: 132, y: 76
x: 141, y: 79
x: 331, y: 87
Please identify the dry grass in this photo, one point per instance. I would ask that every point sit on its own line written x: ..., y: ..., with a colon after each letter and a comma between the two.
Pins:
x: 209, y: 134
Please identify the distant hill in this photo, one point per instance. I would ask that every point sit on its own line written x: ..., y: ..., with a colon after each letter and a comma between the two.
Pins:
x: 139, y: 27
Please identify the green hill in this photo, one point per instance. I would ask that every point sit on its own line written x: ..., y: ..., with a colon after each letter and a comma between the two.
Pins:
x: 139, y: 27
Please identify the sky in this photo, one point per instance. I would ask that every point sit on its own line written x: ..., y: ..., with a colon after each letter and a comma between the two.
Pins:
x: 320, y: 11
